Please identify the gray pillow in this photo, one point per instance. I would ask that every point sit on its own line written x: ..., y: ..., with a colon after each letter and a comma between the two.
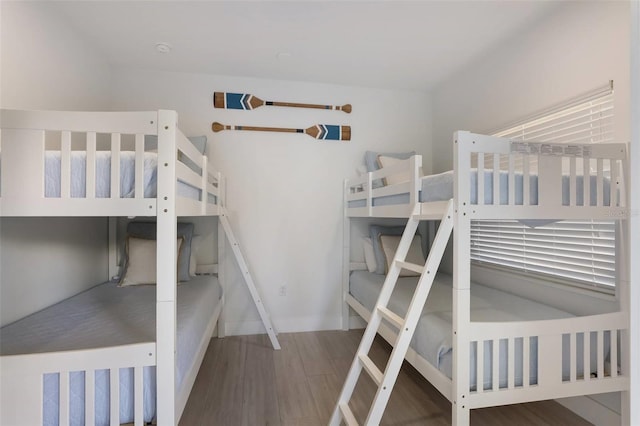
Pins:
x: 371, y: 161
x: 147, y: 230
x: 375, y: 231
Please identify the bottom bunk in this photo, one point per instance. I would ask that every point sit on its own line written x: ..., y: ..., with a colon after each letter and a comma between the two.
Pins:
x: 109, y: 331
x: 515, y: 359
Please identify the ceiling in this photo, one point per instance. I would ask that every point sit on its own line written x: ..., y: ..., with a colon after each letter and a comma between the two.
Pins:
x: 385, y: 44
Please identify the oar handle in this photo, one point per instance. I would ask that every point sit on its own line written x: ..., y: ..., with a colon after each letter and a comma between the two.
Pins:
x: 346, y: 107
x: 217, y: 127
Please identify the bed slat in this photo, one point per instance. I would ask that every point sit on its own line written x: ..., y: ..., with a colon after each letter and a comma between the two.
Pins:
x: 586, y: 181
x: 572, y: 181
x: 114, y: 394
x: 600, y: 354
x: 480, y: 366
x: 139, y: 166
x: 512, y: 181
x: 526, y: 198
x: 613, y: 185
x: 573, y: 356
x: 613, y: 357
x: 65, y: 165
x: 480, y: 180
x: 64, y: 398
x: 495, y: 347
x: 91, y: 165
x: 115, y: 165
x: 586, y: 352
x: 526, y: 367
x: 599, y: 182
x: 138, y: 396
x: 89, y: 397
x: 496, y: 179
x: 511, y: 359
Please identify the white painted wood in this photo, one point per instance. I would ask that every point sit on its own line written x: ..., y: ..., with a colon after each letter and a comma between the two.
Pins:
x: 512, y: 181
x: 347, y: 415
x: 138, y: 398
x: 371, y: 368
x: 599, y: 182
x: 65, y: 165
x: 495, y: 359
x: 23, y: 195
x: 63, y: 406
x: 496, y: 178
x: 526, y: 369
x: 346, y: 251
x: 89, y: 397
x: 139, y: 166
x: 573, y: 348
x: 91, y: 164
x: 573, y: 191
x: 480, y: 366
x: 613, y: 356
x: 188, y: 150
x: 600, y: 353
x: 115, y: 165
x: 81, y: 121
x: 480, y: 188
x: 511, y: 362
x: 586, y: 181
x: 586, y: 352
x: 114, y: 397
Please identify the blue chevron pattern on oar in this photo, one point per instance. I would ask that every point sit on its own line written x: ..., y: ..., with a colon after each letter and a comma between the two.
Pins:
x: 245, y: 101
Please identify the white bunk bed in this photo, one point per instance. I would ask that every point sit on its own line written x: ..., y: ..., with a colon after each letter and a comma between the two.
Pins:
x: 529, y: 351
x: 87, y: 376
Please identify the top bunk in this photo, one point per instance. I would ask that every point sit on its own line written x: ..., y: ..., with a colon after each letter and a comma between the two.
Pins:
x: 498, y: 178
x: 68, y: 163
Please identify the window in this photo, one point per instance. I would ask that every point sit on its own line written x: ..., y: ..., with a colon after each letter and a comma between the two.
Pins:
x: 580, y: 252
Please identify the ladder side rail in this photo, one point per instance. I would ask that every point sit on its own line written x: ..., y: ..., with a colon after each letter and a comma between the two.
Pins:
x: 411, y: 319
x: 257, y: 299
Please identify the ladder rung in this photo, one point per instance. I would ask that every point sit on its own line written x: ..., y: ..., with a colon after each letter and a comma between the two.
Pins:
x: 371, y: 368
x: 410, y: 266
x: 391, y: 317
x: 347, y: 415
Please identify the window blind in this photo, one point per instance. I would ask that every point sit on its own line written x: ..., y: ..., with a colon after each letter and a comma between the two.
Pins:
x: 580, y: 252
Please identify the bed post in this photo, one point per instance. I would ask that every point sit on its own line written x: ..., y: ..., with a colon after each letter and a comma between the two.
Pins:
x: 166, y: 269
x: 346, y: 257
x: 221, y: 255
x: 631, y: 412
x: 461, y: 279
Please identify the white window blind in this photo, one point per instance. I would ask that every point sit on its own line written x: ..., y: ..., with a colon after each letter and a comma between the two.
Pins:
x: 581, y: 252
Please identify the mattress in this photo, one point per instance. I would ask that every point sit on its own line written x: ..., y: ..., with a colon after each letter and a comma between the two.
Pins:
x: 432, y: 339
x: 108, y: 315
x: 52, y: 184
x: 439, y: 187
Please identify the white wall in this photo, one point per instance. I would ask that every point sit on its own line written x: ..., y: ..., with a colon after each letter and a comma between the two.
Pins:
x: 45, y: 65
x: 284, y: 190
x: 578, y: 48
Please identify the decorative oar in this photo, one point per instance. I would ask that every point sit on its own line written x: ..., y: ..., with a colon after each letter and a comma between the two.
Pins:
x: 247, y: 102
x: 319, y: 131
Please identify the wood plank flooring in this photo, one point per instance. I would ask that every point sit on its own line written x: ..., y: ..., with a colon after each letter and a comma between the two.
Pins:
x: 243, y: 381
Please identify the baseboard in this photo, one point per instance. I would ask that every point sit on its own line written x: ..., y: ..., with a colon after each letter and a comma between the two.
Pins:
x: 591, y: 410
x: 290, y: 325
x: 356, y: 321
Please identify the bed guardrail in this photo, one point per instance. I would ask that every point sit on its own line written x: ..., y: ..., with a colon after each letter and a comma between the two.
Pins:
x: 88, y: 142
x: 545, y: 359
x: 22, y: 379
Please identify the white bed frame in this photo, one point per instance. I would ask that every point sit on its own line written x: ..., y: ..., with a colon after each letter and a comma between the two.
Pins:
x: 472, y: 151
x: 23, y: 150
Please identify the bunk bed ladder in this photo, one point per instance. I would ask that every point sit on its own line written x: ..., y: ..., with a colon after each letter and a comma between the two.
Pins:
x: 257, y: 300
x: 406, y: 326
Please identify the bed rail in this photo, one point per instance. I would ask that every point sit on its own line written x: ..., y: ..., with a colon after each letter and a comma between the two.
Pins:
x: 556, y: 358
x: 92, y: 155
x: 503, y: 178
x: 22, y: 379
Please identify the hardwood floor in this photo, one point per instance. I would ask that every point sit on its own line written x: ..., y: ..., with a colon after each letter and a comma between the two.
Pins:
x: 243, y: 381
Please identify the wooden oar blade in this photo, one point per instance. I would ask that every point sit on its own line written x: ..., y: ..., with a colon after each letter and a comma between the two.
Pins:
x: 330, y: 132
x: 243, y: 101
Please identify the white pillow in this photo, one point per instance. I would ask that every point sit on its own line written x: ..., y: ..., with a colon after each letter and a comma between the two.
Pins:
x: 141, y: 261
x: 369, y: 255
x: 398, y: 177
x: 384, y: 161
x: 390, y: 246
